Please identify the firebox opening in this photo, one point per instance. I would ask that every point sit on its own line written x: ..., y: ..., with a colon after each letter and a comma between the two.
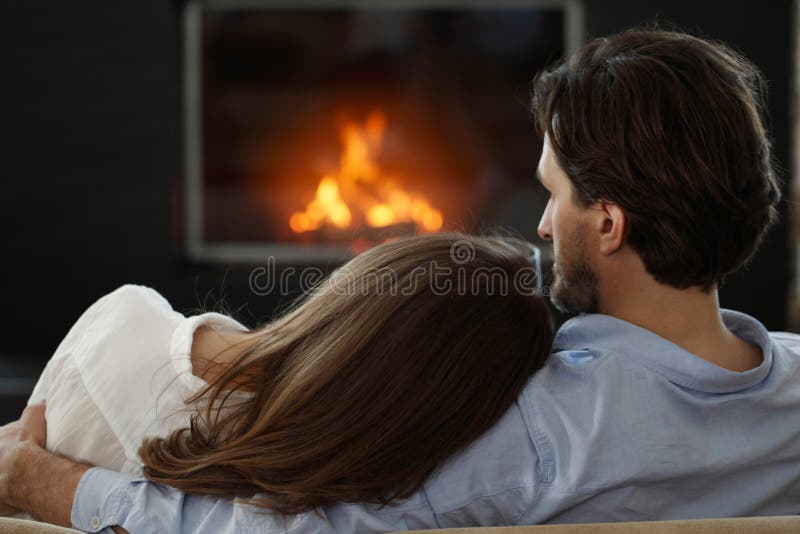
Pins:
x: 315, y: 132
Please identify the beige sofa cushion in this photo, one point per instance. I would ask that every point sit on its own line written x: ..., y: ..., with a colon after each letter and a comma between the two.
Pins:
x: 10, y: 525
x: 744, y: 525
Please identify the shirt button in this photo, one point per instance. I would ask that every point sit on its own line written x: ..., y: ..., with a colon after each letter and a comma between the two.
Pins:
x: 95, y: 522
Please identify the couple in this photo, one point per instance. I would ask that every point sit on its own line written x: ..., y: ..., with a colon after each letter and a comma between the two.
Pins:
x: 654, y: 404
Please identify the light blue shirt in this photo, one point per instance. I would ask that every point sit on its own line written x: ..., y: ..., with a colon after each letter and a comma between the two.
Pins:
x: 620, y: 425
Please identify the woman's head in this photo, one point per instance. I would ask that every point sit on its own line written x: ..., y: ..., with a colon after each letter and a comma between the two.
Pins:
x: 403, y: 356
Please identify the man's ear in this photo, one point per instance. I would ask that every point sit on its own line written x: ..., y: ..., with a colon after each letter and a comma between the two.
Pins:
x: 611, y: 224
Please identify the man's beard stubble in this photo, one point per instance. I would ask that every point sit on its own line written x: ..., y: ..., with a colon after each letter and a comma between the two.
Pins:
x: 574, y: 282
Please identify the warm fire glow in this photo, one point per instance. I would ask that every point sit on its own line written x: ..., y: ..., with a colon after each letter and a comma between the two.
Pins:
x: 359, y: 190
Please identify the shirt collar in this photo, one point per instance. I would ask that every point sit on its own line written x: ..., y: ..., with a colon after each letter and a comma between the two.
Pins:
x: 603, y: 333
x: 183, y: 337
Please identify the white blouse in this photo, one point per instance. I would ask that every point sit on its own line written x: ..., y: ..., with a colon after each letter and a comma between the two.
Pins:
x: 122, y: 373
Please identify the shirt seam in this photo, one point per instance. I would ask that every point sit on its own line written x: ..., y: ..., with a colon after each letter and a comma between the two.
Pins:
x: 489, y: 495
x: 430, y: 506
x: 688, y: 382
x: 539, y: 440
x: 673, y: 376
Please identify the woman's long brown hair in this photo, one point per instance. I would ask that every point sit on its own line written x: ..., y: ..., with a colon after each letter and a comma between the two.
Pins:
x: 362, y: 391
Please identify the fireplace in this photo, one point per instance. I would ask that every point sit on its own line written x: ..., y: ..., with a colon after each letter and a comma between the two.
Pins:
x: 315, y: 130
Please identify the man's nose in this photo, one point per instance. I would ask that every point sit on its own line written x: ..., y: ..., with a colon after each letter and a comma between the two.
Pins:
x: 545, y: 227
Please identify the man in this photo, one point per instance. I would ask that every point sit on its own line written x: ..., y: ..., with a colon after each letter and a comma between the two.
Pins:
x: 656, y: 405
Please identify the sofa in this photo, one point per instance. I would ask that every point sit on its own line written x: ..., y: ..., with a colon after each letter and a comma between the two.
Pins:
x: 748, y: 525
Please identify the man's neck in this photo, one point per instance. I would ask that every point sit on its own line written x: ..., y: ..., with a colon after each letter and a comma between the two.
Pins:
x: 689, y: 318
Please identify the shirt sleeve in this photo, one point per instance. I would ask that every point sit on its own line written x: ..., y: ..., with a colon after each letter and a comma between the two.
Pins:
x: 497, y: 480
x: 42, y: 388
x: 118, y: 298
x: 105, y: 498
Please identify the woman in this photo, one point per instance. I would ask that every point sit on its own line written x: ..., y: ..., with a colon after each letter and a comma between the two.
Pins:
x: 402, y: 357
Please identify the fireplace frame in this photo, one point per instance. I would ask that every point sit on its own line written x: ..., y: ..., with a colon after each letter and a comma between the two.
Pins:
x: 196, y: 248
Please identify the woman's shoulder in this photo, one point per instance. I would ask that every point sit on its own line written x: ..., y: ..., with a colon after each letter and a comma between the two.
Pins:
x: 135, y: 296
x: 132, y: 302
x: 130, y: 307
x: 119, y: 354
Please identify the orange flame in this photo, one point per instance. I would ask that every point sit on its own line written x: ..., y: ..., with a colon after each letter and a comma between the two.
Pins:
x: 361, y: 187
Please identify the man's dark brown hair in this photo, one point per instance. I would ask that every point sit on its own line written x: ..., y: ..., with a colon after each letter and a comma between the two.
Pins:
x: 669, y: 127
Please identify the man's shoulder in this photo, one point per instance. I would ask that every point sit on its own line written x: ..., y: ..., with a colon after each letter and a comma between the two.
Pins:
x: 616, y: 405
x: 518, y: 452
x: 577, y: 371
x: 785, y: 347
x: 788, y: 338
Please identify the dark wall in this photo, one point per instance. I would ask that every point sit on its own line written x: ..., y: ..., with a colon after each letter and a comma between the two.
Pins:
x: 91, y: 145
x: 91, y: 160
